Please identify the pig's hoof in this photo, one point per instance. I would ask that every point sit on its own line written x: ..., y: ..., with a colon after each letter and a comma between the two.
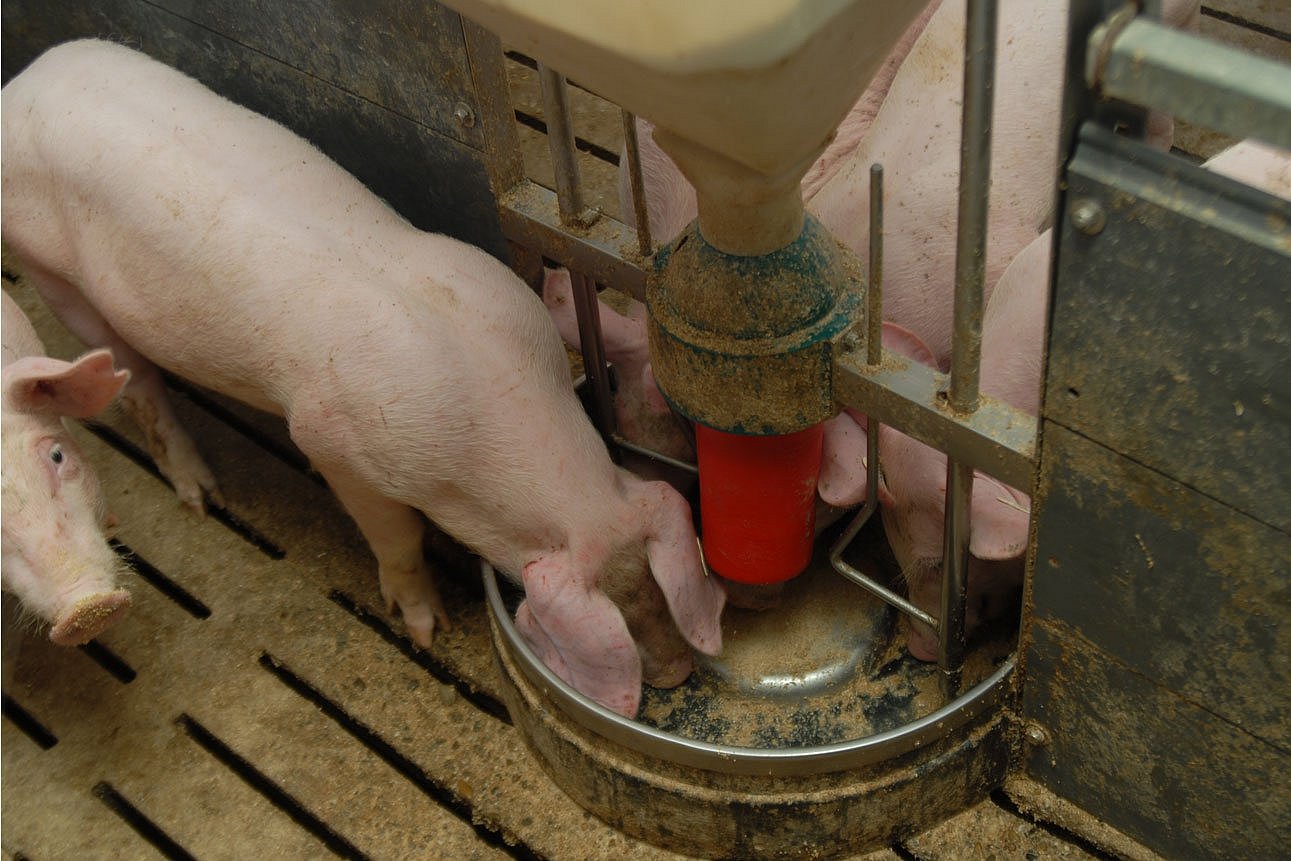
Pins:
x: 420, y: 619
x: 89, y: 617
x: 195, y: 489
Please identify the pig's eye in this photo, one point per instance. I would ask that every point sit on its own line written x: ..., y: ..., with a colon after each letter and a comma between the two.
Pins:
x: 56, y: 454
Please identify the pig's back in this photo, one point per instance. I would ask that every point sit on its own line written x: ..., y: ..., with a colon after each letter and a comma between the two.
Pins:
x: 200, y: 231
x: 103, y: 116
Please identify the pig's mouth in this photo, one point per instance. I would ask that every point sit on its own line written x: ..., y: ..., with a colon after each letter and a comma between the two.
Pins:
x: 89, y: 617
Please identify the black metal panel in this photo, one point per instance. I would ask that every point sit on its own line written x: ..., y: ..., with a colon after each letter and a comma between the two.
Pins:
x: 1150, y: 763
x: 1167, y: 582
x: 409, y: 57
x: 1156, y: 658
x: 378, y: 115
x: 1172, y: 335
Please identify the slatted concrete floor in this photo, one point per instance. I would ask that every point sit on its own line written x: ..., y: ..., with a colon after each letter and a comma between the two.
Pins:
x: 259, y: 702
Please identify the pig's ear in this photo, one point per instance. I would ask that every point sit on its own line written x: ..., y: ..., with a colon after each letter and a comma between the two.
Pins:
x: 694, y: 599
x: 901, y: 340
x: 843, y: 470
x: 579, y: 634
x: 80, y: 389
x: 1001, y: 520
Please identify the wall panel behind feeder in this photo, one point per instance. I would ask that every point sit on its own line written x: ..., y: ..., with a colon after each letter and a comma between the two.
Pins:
x: 1158, y: 663
x: 378, y: 86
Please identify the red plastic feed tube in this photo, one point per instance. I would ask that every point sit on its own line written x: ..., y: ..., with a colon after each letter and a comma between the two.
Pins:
x: 757, y: 499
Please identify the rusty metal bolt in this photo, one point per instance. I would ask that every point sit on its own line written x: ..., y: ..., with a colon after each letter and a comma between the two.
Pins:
x: 1088, y: 217
x: 465, y: 116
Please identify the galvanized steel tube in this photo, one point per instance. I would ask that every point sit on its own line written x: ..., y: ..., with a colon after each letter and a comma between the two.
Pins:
x: 569, y: 195
x: 974, y: 201
x: 874, y: 298
x: 560, y: 141
x: 592, y: 346
x: 965, y: 367
x: 632, y: 149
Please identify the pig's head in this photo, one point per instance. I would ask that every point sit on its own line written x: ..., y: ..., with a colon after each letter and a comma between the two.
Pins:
x: 642, y: 413
x: 55, y: 558
x: 620, y: 607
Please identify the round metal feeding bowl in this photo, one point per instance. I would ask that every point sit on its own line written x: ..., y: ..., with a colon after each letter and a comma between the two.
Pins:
x: 674, y: 786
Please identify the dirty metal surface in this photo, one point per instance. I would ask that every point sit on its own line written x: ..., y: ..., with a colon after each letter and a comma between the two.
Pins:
x: 717, y: 815
x: 1178, y: 587
x: 1156, y: 671
x: 1176, y: 324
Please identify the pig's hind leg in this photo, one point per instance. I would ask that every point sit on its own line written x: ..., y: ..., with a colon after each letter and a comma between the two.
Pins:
x: 144, y: 396
x: 394, y: 532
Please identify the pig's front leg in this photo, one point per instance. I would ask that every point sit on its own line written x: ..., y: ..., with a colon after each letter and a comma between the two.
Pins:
x: 144, y: 397
x: 394, y: 532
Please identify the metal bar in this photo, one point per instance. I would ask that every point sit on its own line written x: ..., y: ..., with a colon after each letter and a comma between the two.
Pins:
x: 954, y: 578
x: 860, y: 578
x: 604, y: 251
x: 592, y: 346
x: 1193, y: 78
x: 874, y: 354
x: 874, y: 297
x: 632, y: 148
x: 974, y: 201
x: 997, y: 439
x: 966, y: 353
x: 560, y: 141
x: 628, y: 445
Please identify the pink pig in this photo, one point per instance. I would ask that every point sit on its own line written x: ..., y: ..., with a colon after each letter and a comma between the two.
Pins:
x: 418, y: 374
x: 915, y: 136
x: 1265, y: 167
x: 55, y: 559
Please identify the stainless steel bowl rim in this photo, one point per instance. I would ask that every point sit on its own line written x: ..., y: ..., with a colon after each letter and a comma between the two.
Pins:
x: 986, y: 696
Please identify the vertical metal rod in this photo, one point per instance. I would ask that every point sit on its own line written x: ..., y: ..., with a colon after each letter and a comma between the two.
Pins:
x: 560, y: 140
x: 974, y: 193
x: 592, y: 346
x: 874, y: 344
x: 965, y: 366
x: 632, y: 148
x: 569, y: 197
x: 874, y: 299
x: 874, y: 354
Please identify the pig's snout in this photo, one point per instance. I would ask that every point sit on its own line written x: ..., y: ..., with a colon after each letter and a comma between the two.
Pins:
x: 923, y: 642
x: 666, y: 673
x: 89, y: 616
